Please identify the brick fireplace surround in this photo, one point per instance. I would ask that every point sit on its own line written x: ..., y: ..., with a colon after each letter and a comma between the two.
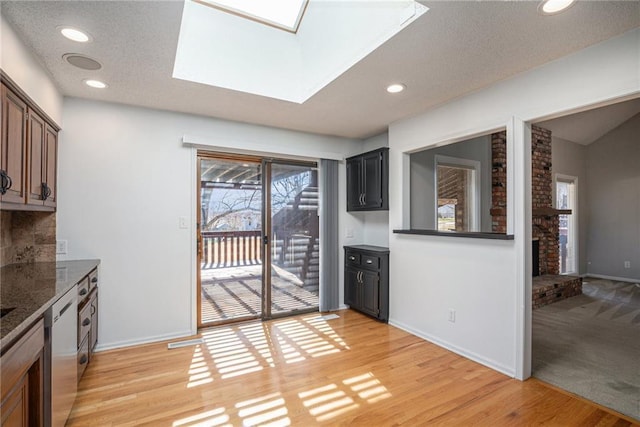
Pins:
x: 549, y: 286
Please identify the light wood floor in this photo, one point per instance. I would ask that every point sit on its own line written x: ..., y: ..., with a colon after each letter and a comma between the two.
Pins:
x: 307, y: 370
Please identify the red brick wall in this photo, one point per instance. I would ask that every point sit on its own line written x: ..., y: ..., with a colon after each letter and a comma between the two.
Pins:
x: 499, y: 182
x: 545, y: 227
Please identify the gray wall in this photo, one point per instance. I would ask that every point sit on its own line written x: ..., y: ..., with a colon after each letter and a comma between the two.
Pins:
x: 613, y: 195
x: 422, y: 180
x: 569, y: 158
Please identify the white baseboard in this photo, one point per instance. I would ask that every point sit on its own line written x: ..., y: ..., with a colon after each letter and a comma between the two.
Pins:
x: 509, y: 371
x: 148, y: 340
x: 604, y: 276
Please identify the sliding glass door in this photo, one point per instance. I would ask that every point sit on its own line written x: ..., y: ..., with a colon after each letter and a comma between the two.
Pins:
x: 229, y: 239
x: 292, y: 255
x: 258, y: 238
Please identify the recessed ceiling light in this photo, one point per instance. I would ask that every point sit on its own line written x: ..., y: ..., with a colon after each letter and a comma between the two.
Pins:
x: 396, y: 88
x: 75, y: 34
x: 95, y: 84
x: 551, y: 7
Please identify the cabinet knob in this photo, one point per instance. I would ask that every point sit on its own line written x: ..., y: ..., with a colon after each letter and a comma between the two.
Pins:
x: 83, y: 359
x: 369, y: 261
x: 352, y: 258
x: 94, y: 280
x: 86, y: 322
x: 83, y: 292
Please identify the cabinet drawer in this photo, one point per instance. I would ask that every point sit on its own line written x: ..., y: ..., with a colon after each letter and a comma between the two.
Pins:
x: 84, y: 322
x: 352, y: 258
x: 83, y: 357
x: 83, y: 289
x: 370, y: 261
x: 93, y: 279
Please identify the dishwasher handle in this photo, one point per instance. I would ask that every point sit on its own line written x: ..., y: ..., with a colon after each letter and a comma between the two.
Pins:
x: 65, y: 308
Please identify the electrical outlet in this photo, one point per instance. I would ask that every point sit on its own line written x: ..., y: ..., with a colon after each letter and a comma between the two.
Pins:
x: 452, y: 315
x: 627, y: 264
x: 61, y: 246
x: 182, y: 222
x: 349, y: 233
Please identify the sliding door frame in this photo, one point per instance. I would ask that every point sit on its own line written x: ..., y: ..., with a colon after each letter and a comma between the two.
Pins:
x: 266, y: 247
x: 210, y: 155
x: 267, y: 238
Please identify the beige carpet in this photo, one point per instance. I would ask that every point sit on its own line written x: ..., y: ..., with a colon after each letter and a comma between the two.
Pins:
x: 590, y: 344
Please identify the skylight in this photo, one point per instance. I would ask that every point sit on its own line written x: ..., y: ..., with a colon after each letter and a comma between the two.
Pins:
x: 225, y: 50
x: 283, y: 14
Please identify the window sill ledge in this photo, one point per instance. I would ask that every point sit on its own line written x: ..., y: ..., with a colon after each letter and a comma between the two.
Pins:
x: 468, y: 234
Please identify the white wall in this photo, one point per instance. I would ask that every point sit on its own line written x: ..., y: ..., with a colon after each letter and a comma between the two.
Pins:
x: 613, y: 193
x: 125, y: 178
x: 487, y: 282
x: 569, y: 158
x: 23, y: 68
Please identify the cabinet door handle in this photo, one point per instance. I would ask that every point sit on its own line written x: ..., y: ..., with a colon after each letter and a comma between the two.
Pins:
x: 86, y: 322
x: 43, y: 191
x: 4, y: 183
x: 364, y: 199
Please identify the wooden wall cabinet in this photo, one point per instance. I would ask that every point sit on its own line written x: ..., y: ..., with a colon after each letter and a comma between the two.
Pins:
x: 23, y: 380
x: 13, y: 150
x: 366, y: 280
x: 28, y: 168
x: 368, y: 181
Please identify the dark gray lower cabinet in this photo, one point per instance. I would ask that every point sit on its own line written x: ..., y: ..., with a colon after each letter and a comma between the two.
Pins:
x: 366, y: 280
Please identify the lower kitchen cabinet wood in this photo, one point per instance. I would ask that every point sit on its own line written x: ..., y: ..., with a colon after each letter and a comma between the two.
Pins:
x: 93, y: 333
x: 366, y: 280
x: 87, y: 320
x: 22, y: 380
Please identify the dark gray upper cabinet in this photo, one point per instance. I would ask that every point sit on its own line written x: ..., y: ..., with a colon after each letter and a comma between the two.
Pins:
x: 368, y: 181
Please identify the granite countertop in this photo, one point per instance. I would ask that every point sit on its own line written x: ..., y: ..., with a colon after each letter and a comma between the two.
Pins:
x: 30, y: 289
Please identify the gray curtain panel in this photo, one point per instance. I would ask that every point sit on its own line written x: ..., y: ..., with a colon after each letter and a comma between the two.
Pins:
x: 329, y: 274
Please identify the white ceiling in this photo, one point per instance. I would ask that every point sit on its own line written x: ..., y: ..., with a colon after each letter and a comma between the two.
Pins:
x: 588, y: 126
x: 455, y: 48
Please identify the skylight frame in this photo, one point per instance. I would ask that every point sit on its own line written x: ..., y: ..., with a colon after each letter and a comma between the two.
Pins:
x: 256, y: 18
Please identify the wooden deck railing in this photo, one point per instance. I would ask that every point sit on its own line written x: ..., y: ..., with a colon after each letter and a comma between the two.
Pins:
x: 230, y: 248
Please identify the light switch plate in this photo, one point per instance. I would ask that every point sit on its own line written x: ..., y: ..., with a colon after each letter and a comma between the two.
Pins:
x: 182, y: 222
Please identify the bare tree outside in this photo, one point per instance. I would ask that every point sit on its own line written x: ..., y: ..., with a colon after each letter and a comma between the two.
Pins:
x: 240, y: 208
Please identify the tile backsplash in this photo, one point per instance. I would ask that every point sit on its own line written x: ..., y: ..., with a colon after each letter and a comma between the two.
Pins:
x: 27, y: 237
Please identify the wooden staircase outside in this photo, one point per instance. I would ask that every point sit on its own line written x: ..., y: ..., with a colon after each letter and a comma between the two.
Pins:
x: 296, y: 244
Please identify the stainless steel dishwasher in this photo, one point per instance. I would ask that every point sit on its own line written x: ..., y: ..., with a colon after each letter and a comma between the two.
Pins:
x: 62, y: 319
